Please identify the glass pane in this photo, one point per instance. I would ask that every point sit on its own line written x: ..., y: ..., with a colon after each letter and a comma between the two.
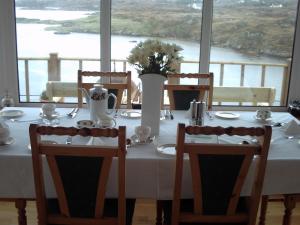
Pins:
x: 252, y: 45
x: 177, y: 21
x: 55, y: 39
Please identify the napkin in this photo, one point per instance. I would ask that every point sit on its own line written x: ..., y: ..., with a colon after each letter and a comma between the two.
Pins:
x: 292, y: 128
x: 107, y: 142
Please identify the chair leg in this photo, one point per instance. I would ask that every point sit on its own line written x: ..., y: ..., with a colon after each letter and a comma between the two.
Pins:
x: 289, y: 204
x: 263, y: 209
x: 20, y: 204
x: 159, y: 212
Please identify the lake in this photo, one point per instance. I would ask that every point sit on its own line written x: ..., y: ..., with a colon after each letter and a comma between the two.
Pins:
x: 34, y: 41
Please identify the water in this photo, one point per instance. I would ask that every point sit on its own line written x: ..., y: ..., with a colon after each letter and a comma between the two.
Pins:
x: 34, y: 41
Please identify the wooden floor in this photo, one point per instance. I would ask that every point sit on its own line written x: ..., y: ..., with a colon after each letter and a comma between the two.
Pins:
x: 144, y: 213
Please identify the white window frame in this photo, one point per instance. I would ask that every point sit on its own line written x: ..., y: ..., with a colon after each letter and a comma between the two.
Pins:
x: 8, y: 49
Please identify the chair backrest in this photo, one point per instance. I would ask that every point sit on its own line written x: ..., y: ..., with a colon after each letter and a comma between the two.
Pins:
x: 181, y: 95
x: 218, y: 173
x: 116, y: 88
x: 79, y: 173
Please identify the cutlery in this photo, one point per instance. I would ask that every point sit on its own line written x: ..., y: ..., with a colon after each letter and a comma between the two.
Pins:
x: 116, y: 113
x: 71, y: 113
x: 278, y: 124
x: 171, y: 115
x: 210, y: 115
x: 165, y: 114
x: 69, y: 140
x: 23, y: 121
x: 74, y: 113
x: 290, y: 137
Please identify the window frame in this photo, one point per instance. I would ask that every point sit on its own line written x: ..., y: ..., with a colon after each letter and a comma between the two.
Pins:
x: 9, y: 61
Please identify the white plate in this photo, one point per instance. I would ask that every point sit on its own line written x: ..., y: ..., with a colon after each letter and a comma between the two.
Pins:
x: 10, y: 113
x: 85, y: 123
x: 9, y: 141
x: 131, y: 114
x: 53, y: 116
x: 263, y: 120
x: 167, y: 149
x: 227, y: 115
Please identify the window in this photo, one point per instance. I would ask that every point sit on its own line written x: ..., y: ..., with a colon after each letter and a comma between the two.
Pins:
x: 55, y: 39
x: 177, y: 21
x: 252, y: 59
x: 252, y: 45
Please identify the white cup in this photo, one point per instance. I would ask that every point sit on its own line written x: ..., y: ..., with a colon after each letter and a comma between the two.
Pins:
x: 106, y: 121
x: 143, y: 133
x: 48, y: 109
x: 110, y: 122
x: 263, y: 114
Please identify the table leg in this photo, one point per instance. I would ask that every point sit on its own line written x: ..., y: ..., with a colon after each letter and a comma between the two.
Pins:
x: 159, y: 212
x: 263, y: 209
x: 20, y: 204
x: 289, y: 204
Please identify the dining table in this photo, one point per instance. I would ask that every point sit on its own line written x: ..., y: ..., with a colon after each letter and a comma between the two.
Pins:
x: 149, y: 170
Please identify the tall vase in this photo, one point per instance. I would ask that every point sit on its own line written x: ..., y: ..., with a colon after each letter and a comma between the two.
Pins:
x: 152, y: 85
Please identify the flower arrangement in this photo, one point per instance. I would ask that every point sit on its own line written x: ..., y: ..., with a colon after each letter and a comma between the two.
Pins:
x: 154, y: 56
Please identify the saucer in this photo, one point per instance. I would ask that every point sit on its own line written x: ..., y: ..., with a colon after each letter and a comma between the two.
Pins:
x: 8, y: 141
x: 53, y: 116
x: 85, y: 123
x: 227, y: 115
x: 131, y: 114
x: 11, y: 113
x: 135, y: 140
x: 263, y: 120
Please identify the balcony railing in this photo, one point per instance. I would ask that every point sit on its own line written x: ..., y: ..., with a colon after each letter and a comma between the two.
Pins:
x: 54, y: 63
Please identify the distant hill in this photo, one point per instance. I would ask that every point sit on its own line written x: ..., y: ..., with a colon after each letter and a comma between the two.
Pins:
x: 266, y: 29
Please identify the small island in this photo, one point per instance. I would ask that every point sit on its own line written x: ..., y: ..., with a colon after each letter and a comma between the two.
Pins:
x: 251, y: 27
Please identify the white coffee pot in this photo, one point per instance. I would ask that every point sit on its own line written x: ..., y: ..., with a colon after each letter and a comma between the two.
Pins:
x: 97, y: 100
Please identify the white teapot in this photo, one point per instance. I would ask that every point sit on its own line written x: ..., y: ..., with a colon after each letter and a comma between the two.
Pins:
x: 97, y: 100
x: 4, y: 132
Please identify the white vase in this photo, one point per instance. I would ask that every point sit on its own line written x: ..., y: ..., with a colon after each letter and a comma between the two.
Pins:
x: 152, y: 86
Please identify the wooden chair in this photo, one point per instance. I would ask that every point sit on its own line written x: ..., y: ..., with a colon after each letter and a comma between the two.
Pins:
x: 218, y: 173
x: 115, y: 88
x: 181, y: 95
x: 80, y: 174
x: 289, y: 201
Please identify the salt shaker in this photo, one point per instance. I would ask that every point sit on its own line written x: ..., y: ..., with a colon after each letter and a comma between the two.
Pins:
x: 196, y: 113
x: 200, y: 107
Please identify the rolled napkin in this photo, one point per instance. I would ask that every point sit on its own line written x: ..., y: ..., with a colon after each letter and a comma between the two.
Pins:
x: 292, y: 128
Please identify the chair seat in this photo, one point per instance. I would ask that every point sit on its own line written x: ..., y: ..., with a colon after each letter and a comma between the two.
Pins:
x: 186, y: 205
x: 110, y: 209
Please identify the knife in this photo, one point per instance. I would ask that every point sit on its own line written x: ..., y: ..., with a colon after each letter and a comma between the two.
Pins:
x: 69, y: 114
x: 74, y: 113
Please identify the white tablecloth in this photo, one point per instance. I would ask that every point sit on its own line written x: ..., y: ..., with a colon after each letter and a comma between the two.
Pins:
x: 148, y: 173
